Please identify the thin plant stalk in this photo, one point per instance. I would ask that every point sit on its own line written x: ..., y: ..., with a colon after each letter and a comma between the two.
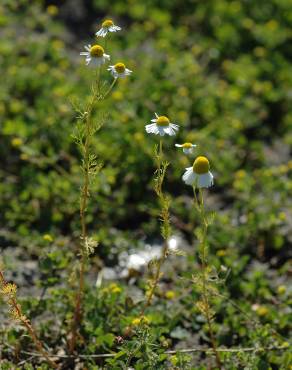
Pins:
x: 97, y: 95
x: 77, y: 317
x: 110, y: 88
x: 156, y: 277
x: 17, y: 314
x: 165, y: 219
x: 204, y: 260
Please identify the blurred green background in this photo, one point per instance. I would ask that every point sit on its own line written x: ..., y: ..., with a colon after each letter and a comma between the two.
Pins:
x: 220, y: 69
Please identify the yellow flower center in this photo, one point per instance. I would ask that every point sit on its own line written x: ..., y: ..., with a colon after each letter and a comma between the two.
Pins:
x: 187, y: 145
x: 201, y: 165
x: 107, y: 23
x: 96, y: 51
x: 120, y: 67
x: 162, y: 121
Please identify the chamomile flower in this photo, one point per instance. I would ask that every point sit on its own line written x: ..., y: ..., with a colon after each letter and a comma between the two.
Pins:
x: 187, y: 147
x: 161, y: 126
x: 95, y: 55
x: 119, y: 70
x: 199, y: 174
x: 107, y: 26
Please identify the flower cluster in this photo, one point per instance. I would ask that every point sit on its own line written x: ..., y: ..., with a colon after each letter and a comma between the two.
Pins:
x: 95, y: 55
x: 199, y: 174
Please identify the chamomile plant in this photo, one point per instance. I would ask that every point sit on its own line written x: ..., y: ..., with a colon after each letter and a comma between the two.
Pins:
x: 199, y: 177
x: 87, y: 126
x: 199, y: 174
x: 95, y: 55
x: 119, y: 70
x: 187, y: 148
x: 162, y: 126
x: 107, y: 26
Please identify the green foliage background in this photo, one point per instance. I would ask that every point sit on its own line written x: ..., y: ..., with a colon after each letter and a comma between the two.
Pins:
x: 220, y: 69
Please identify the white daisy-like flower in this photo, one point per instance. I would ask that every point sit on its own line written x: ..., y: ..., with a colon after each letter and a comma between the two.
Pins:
x: 107, y: 26
x: 119, y: 70
x: 187, y: 147
x: 161, y: 126
x: 95, y: 55
x: 199, y: 174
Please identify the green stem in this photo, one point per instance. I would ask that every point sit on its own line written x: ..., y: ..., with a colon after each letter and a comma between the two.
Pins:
x: 204, y: 260
x: 110, y: 88
x: 102, y: 66
x: 156, y: 277
x: 77, y: 317
x: 98, y: 75
x: 27, y: 324
x: 165, y: 221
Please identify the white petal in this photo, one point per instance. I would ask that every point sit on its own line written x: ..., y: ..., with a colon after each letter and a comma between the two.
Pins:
x: 171, y: 129
x: 114, y: 28
x: 124, y: 74
x: 161, y: 130
x: 114, y: 73
x: 95, y: 62
x: 85, y: 53
x: 188, y: 150
x: 189, y: 177
x: 174, y: 126
x: 205, y: 180
x: 178, y: 145
x: 102, y: 32
x: 156, y: 115
x: 152, y: 129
